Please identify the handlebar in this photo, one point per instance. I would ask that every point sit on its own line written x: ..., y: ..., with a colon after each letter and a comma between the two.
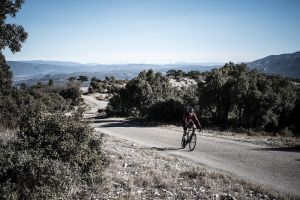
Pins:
x: 193, y: 126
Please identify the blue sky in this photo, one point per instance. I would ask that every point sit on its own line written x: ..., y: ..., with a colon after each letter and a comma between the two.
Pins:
x: 157, y: 31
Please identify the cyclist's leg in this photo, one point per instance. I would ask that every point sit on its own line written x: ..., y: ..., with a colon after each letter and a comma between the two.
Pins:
x: 184, y: 131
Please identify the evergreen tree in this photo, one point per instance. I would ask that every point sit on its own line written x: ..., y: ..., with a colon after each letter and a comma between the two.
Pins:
x: 11, y: 36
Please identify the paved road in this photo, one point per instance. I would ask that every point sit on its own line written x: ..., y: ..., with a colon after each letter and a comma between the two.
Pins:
x: 94, y: 105
x: 278, y: 169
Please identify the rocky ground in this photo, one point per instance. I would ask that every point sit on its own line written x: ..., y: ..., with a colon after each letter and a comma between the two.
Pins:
x: 138, y: 172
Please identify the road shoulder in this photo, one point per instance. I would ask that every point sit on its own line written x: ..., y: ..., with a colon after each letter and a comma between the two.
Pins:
x: 140, y: 172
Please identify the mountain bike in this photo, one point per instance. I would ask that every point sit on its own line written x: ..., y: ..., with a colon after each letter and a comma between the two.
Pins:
x: 190, y: 137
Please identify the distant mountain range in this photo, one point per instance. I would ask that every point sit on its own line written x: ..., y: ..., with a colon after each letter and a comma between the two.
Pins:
x: 287, y: 65
x: 23, y: 71
x: 32, y: 71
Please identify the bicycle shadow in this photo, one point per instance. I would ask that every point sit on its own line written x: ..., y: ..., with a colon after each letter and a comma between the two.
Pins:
x: 165, y: 148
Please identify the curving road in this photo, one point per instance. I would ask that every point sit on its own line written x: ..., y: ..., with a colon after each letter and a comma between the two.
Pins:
x: 275, y: 168
x: 94, y: 105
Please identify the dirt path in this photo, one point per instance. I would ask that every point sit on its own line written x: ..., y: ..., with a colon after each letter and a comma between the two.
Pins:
x: 273, y: 168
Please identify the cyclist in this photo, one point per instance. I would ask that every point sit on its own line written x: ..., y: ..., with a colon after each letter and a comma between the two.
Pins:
x: 189, y: 119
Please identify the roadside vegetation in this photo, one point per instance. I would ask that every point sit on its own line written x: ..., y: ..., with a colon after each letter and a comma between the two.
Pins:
x: 108, y: 85
x: 140, y: 172
x: 231, y: 97
x: 44, y: 154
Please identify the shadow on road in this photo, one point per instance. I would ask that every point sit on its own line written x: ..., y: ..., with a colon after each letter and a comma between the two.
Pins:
x: 122, y: 123
x: 165, y: 148
x: 287, y: 149
x: 156, y: 148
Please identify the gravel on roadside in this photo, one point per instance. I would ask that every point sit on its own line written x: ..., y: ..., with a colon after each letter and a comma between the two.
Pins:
x: 139, y: 172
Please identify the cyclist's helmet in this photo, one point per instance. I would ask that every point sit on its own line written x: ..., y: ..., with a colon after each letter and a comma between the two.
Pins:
x: 189, y: 110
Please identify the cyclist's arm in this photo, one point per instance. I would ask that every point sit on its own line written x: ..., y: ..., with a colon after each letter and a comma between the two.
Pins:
x: 186, y: 120
x: 198, y: 123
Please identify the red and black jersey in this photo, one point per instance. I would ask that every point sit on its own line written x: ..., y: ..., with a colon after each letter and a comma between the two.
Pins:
x: 191, y: 119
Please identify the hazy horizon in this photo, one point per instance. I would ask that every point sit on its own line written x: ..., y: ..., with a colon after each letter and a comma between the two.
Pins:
x: 157, y: 32
x: 124, y: 63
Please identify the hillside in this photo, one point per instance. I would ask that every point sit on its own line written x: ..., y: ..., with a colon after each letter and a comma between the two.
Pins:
x: 28, y: 69
x: 33, y: 71
x: 285, y: 64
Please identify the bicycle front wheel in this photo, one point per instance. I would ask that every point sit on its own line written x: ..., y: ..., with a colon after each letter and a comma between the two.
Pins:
x: 193, y: 141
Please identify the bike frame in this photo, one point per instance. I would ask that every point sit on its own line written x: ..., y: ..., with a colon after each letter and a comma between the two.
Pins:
x: 190, y: 134
x: 189, y: 129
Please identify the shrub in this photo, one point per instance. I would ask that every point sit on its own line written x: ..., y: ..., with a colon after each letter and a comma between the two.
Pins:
x: 63, y: 138
x: 140, y: 94
x: 167, y: 111
x: 231, y: 96
x: 54, y: 102
x: 108, y: 85
x: 27, y: 175
x: 8, y: 112
x: 235, y: 95
x: 55, y: 157
x: 72, y: 92
x: 286, y: 132
x: 5, y: 75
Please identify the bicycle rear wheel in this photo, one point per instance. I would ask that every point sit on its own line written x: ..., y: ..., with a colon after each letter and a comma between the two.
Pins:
x: 192, y: 142
x: 183, y: 142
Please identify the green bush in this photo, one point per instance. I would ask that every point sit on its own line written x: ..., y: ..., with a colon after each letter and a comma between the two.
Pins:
x: 236, y: 96
x: 54, y: 157
x: 293, y: 118
x: 167, y: 111
x: 286, y: 132
x: 72, y: 94
x: 11, y: 104
x: 231, y: 96
x: 5, y: 75
x: 27, y: 174
x: 140, y: 94
x: 8, y: 112
x: 108, y: 85
x: 54, y: 102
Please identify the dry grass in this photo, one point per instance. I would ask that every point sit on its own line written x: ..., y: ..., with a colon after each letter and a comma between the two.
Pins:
x: 137, y: 172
